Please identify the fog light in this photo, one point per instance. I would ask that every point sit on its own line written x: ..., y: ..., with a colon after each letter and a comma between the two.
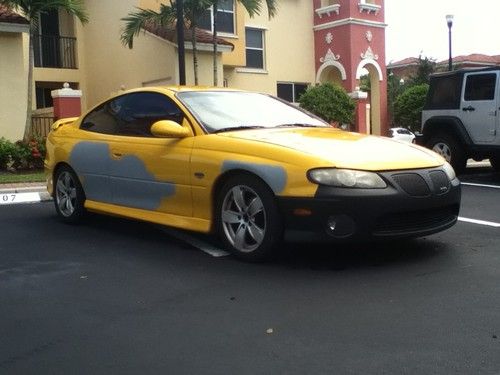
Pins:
x: 340, y: 226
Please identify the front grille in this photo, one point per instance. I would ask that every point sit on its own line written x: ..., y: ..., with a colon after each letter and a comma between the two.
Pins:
x: 440, y: 182
x: 413, y: 184
x: 415, y: 222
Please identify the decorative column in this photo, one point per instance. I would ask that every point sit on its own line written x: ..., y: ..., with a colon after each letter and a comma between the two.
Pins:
x: 67, y: 102
x: 360, y: 114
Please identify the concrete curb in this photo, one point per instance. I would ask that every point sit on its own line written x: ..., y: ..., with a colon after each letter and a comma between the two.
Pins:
x: 18, y: 189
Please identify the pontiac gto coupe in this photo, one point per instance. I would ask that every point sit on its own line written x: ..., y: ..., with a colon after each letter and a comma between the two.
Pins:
x: 245, y: 166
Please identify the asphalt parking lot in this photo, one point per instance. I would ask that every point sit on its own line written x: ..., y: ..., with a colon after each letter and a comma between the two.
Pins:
x: 113, y: 296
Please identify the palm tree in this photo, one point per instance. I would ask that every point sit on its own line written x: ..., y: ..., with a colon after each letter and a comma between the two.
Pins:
x: 166, y: 17
x: 253, y: 7
x: 31, y: 10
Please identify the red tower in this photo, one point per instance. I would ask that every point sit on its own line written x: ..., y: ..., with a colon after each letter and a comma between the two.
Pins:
x: 349, y: 42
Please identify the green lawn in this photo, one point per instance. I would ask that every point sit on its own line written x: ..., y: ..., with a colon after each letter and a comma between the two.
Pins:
x: 31, y: 176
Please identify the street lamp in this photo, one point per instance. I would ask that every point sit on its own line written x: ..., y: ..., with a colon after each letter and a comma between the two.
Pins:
x: 449, y: 21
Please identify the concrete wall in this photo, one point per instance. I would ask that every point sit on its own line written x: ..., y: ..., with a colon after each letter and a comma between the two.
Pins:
x: 13, y: 85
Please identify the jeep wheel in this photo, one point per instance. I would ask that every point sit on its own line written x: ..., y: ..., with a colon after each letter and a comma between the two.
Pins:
x: 449, y: 148
x: 495, y: 162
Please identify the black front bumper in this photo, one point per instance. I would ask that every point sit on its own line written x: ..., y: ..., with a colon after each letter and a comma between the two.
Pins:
x: 415, y: 203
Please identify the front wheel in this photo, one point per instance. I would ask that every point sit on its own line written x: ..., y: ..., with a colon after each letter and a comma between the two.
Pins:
x: 68, y: 195
x: 248, y: 219
x: 449, y: 148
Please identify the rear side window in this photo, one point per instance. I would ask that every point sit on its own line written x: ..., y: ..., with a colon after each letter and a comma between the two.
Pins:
x: 480, y: 87
x: 132, y: 114
x: 444, y: 92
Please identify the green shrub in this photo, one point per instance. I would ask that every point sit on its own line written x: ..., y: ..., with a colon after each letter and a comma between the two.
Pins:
x: 22, y: 155
x: 408, y: 107
x: 330, y: 102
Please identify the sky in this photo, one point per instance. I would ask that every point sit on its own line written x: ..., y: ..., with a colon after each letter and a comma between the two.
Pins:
x: 419, y: 27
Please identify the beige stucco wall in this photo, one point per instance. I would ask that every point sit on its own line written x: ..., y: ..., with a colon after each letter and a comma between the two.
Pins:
x: 289, y: 49
x: 14, y: 84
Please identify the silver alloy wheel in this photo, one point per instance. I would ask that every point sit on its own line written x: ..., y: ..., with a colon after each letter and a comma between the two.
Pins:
x: 66, y: 194
x: 243, y: 218
x: 443, y: 149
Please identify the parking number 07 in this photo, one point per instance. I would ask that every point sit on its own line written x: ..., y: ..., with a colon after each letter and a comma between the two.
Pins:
x: 7, y: 198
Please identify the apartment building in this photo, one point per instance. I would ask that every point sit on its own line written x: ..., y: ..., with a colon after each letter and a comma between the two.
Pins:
x: 308, y: 42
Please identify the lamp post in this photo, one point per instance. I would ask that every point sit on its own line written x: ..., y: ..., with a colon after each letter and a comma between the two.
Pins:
x: 449, y: 21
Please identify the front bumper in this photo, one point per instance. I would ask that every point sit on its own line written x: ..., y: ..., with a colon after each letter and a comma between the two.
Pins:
x: 415, y: 203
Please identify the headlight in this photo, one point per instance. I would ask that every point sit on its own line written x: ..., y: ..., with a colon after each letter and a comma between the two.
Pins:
x: 346, y: 178
x: 450, y: 172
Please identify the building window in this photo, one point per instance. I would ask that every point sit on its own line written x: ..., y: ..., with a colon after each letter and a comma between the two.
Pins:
x: 291, y: 91
x: 254, y: 48
x: 225, y: 17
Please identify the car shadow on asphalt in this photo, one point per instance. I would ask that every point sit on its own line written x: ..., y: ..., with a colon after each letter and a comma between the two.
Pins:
x: 296, y: 252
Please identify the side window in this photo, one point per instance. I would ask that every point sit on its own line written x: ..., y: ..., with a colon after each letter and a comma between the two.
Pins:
x: 145, y: 108
x: 480, y: 87
x: 132, y: 114
x: 106, y: 118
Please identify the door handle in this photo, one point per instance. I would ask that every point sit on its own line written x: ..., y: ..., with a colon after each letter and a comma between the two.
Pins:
x: 117, y: 155
x: 469, y: 108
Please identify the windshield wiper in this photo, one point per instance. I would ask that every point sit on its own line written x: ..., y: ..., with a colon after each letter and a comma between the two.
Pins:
x: 298, y: 125
x: 243, y: 127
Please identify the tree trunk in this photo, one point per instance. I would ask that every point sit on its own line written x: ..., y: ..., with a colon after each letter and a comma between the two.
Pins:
x: 195, y: 54
x: 214, y: 41
x: 29, y: 101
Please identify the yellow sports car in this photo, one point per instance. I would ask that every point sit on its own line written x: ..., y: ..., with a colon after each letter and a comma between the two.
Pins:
x: 246, y: 166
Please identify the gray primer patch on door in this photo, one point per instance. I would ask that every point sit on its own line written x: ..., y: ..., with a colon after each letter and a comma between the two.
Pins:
x: 274, y: 176
x: 125, y: 181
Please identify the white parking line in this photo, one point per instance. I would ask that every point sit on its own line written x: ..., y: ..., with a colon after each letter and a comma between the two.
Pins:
x: 13, y: 198
x: 195, y: 242
x: 480, y: 222
x: 480, y: 185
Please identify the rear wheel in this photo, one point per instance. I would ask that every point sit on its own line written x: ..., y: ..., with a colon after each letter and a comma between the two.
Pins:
x: 248, y: 220
x: 449, y: 148
x: 495, y: 162
x: 68, y: 195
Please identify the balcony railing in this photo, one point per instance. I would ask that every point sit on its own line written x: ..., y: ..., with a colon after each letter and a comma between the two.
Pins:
x: 55, y: 52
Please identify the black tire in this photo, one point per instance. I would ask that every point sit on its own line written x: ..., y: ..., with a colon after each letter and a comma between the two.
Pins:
x: 247, y: 218
x: 449, y: 148
x: 495, y: 162
x: 69, y: 196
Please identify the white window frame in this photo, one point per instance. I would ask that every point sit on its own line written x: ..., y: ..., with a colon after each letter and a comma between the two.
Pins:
x: 263, y: 49
x: 294, y: 99
x: 211, y: 9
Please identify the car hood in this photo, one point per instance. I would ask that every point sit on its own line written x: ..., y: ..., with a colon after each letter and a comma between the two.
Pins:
x: 344, y: 149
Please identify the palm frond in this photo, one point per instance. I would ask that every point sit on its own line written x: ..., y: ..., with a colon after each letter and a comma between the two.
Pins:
x: 137, y: 21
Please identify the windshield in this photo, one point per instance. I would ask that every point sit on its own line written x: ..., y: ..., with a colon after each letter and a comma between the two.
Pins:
x: 233, y: 110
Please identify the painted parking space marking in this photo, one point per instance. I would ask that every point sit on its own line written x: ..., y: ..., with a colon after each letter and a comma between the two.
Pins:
x: 479, y: 222
x: 480, y: 185
x: 196, y: 242
x: 14, y: 198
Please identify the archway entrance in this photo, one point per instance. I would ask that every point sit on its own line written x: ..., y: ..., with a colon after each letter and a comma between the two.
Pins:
x: 374, y: 78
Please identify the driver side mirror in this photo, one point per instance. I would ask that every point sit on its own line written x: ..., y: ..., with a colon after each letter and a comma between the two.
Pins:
x: 169, y: 129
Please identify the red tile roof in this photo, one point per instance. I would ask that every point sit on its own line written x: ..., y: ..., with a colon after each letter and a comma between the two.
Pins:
x: 474, y: 58
x: 404, y: 62
x: 169, y: 33
x: 8, y: 16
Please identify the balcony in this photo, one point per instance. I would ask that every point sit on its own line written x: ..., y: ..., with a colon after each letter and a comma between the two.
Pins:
x: 328, y: 7
x: 369, y: 6
x: 55, y: 52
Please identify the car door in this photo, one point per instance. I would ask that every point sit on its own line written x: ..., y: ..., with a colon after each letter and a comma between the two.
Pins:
x: 147, y: 172
x: 480, y: 105
x: 91, y: 159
